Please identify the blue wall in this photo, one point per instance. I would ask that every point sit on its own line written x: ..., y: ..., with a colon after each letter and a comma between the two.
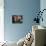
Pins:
x: 27, y: 8
x: 43, y: 6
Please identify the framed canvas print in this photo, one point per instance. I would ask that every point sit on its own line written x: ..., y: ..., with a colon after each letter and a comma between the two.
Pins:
x: 17, y: 19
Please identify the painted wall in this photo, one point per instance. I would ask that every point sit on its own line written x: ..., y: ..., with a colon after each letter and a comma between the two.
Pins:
x: 27, y: 8
x: 43, y: 6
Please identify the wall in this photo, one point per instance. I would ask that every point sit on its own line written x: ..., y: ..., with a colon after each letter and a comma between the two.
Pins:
x: 27, y: 8
x: 43, y: 6
x: 1, y: 20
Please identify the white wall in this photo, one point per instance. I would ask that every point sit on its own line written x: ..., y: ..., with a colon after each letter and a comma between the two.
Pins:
x: 1, y: 20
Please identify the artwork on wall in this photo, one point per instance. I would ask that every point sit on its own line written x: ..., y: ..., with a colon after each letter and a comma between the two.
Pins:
x: 17, y: 19
x: 39, y: 16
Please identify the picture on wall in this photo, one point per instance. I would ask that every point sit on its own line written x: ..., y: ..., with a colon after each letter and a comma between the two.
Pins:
x: 17, y: 19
